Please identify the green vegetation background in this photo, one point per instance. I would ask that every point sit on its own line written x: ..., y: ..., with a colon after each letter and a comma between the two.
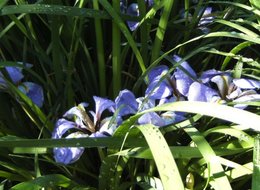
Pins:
x: 83, y: 48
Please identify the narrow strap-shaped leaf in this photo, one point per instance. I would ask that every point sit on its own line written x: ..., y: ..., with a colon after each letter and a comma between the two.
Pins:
x: 219, y: 180
x: 100, y: 52
x: 161, y: 29
x: 48, y: 181
x: 235, y: 50
x: 238, y: 27
x: 256, y: 164
x: 116, y: 52
x: 245, y: 118
x: 118, y: 20
x: 163, y: 158
x: 53, y: 10
x: 241, y: 5
x: 110, y: 142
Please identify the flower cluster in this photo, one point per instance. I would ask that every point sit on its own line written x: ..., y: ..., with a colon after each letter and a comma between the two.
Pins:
x: 210, y: 86
x: 163, y: 87
x: 32, y: 90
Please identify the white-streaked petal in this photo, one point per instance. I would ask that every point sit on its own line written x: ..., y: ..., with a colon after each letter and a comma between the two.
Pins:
x: 247, y: 83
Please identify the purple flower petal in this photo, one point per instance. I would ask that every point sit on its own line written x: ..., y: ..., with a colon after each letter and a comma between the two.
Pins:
x: 246, y: 83
x: 15, y: 74
x: 78, y: 115
x: 151, y: 118
x: 145, y: 103
x: 109, y: 125
x: 171, y: 117
x: 99, y: 134
x: 67, y: 155
x: 157, y: 72
x: 234, y: 94
x: 133, y: 10
x: 206, y: 18
x: 33, y: 91
x: 101, y: 105
x: 158, y: 89
x: 206, y: 76
x: 183, y: 81
x: 167, y: 100
x: 61, y: 127
x: 223, y: 82
x: 200, y: 92
x: 126, y: 102
x: 247, y: 98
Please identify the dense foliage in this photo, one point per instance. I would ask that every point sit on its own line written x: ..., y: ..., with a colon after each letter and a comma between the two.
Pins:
x: 125, y: 94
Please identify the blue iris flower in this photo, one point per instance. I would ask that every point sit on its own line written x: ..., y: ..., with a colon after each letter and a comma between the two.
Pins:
x: 237, y: 90
x: 32, y: 90
x: 83, y: 125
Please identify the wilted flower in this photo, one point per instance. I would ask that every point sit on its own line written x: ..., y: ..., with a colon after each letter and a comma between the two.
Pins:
x: 32, y: 90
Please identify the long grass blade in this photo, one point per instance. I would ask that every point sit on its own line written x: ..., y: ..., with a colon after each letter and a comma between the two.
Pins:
x: 53, y: 10
x: 100, y: 52
x: 116, y: 52
x: 125, y: 32
x: 165, y: 163
x: 157, y: 45
x: 256, y: 163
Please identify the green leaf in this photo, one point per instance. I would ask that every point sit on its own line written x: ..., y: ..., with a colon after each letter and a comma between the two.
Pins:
x: 2, y: 3
x: 177, y: 152
x: 256, y: 163
x: 53, y: 10
x: 47, y: 181
x: 163, y: 158
x: 238, y: 27
x: 216, y: 173
x: 125, y: 32
x: 245, y: 118
x: 161, y: 29
x: 111, y: 142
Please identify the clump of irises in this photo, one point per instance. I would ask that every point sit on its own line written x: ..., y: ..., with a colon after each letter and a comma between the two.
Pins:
x: 163, y: 86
